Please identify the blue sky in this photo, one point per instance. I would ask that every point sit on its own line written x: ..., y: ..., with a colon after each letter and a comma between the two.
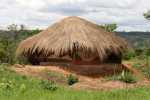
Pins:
x: 128, y: 14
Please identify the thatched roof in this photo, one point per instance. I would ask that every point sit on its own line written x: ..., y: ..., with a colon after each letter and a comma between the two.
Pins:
x: 62, y: 36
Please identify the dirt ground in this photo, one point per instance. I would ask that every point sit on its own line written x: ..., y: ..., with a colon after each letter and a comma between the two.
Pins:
x: 85, y: 82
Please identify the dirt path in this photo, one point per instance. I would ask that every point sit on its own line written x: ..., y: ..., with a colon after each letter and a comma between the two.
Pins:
x: 84, y: 82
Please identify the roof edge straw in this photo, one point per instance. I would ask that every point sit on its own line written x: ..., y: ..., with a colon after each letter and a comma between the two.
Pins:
x: 60, y: 38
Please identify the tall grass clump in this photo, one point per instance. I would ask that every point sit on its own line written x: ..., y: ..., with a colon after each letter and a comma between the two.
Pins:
x: 125, y: 76
x: 48, y: 85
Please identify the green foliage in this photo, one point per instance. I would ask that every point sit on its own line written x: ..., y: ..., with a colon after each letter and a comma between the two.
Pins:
x: 110, y: 27
x: 125, y: 76
x: 147, y: 52
x: 23, y: 87
x: 48, y: 85
x: 7, y: 50
x: 138, y: 51
x: 6, y: 84
x: 2, y: 52
x: 137, y: 65
x: 22, y: 60
x: 129, y: 55
x: 147, y: 47
x: 72, y: 79
x: 145, y: 67
x: 3, y: 68
x: 143, y: 52
x: 146, y: 71
x: 8, y: 44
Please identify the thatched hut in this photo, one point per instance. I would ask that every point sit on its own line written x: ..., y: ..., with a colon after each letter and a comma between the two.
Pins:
x: 73, y: 40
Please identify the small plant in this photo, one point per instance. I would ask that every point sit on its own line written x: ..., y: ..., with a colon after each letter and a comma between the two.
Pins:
x: 72, y: 79
x: 24, y: 77
x: 48, y: 85
x: 127, y: 77
x: 6, y: 84
x: 3, y: 68
x: 138, y: 51
x: 137, y: 65
x: 146, y: 71
x: 22, y: 88
x: 129, y: 55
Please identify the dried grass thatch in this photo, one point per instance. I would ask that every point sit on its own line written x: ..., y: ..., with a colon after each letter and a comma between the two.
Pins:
x: 73, y: 33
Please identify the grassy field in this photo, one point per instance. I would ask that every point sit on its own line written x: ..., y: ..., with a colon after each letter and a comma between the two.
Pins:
x: 17, y: 87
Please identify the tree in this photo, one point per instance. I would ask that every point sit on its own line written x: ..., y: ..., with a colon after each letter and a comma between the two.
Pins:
x: 7, y: 49
x: 22, y: 27
x: 13, y: 28
x: 109, y: 27
x: 147, y: 15
x: 147, y: 43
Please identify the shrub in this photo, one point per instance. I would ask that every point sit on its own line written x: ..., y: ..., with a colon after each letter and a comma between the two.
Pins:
x: 138, y: 51
x: 146, y: 71
x: 129, y: 55
x: 127, y: 77
x: 147, y: 52
x: 22, y: 88
x: 48, y: 85
x: 24, y: 77
x: 2, y: 68
x: 72, y: 79
x: 22, y: 60
x: 6, y: 84
x: 137, y: 65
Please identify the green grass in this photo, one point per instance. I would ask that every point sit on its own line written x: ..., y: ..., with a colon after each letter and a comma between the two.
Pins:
x: 27, y: 88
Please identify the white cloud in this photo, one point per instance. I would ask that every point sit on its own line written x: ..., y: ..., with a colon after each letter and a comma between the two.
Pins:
x: 32, y: 4
x: 128, y: 14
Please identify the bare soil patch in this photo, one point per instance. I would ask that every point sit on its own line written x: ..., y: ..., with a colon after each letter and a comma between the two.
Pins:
x: 85, y: 82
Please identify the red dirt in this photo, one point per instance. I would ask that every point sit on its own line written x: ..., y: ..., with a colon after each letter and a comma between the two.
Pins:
x: 133, y: 70
x: 98, y: 83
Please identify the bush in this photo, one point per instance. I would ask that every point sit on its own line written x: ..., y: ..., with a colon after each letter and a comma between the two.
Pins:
x: 147, y: 52
x: 48, y: 85
x: 127, y: 77
x: 146, y: 71
x: 3, y: 68
x: 72, y: 79
x: 6, y: 84
x: 22, y: 88
x: 137, y: 65
x: 129, y: 55
x: 22, y: 60
x: 138, y: 51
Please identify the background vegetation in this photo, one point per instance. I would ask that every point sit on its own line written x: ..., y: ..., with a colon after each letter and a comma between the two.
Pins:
x: 16, y: 87
x: 9, y: 41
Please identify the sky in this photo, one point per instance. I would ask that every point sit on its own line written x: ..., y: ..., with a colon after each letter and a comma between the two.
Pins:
x: 127, y: 14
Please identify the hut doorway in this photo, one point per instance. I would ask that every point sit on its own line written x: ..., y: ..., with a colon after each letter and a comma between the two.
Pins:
x: 114, y: 58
